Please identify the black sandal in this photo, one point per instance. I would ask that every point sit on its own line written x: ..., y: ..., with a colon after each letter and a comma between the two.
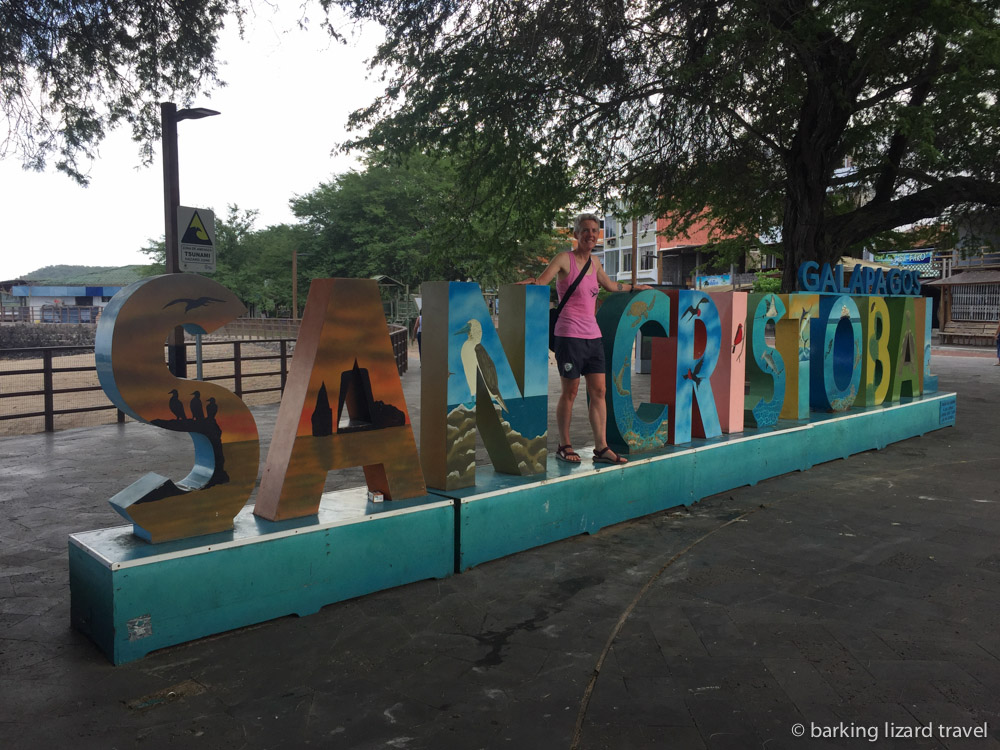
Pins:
x: 567, y: 454
x: 601, y: 457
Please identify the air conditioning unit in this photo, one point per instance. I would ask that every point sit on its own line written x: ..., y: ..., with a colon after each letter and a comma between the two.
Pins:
x: 610, y: 242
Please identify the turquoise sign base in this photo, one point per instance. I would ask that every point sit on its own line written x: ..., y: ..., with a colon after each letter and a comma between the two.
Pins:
x: 131, y: 597
x: 504, y: 514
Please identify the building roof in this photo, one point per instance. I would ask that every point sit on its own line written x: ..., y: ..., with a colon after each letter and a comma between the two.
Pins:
x: 37, y: 290
x: 969, y: 277
x: 384, y: 280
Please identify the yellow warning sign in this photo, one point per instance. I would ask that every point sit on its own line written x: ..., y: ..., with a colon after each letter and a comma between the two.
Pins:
x: 196, y: 243
x: 195, y: 234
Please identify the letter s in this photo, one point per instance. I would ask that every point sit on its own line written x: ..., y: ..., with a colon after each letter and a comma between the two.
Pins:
x: 131, y: 368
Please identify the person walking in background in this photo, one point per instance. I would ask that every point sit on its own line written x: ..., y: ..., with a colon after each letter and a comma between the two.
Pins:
x: 996, y: 335
x: 579, y: 348
x: 418, y: 325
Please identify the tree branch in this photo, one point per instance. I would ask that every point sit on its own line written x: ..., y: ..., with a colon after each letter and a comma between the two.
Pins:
x: 872, y: 218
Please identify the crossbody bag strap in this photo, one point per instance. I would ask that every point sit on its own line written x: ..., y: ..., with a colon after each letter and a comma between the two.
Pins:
x: 572, y: 287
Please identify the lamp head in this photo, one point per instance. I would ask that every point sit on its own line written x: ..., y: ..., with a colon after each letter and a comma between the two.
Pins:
x: 195, y: 113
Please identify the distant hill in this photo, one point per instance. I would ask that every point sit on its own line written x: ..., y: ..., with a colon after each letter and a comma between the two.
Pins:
x: 87, y: 275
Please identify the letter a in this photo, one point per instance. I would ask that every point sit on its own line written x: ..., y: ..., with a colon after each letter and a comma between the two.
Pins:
x: 343, y: 358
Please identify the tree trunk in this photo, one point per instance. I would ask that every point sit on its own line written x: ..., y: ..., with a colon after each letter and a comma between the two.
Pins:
x: 805, y: 235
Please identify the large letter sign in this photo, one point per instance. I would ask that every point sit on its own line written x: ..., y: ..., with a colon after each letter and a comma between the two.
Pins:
x: 343, y: 406
x: 876, y: 364
x: 836, y: 354
x: 908, y: 365
x: 793, y: 339
x: 839, y: 345
x: 468, y: 383
x: 730, y: 373
x: 131, y: 369
x: 621, y: 317
x: 765, y: 367
x: 343, y: 362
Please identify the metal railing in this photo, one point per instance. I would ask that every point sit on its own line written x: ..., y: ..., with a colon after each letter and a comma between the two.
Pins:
x: 55, y: 387
x: 51, y: 314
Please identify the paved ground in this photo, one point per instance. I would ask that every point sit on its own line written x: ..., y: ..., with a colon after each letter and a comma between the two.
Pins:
x: 861, y: 598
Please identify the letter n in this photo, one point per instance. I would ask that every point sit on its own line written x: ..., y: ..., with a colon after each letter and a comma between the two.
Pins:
x: 467, y: 382
x: 343, y: 361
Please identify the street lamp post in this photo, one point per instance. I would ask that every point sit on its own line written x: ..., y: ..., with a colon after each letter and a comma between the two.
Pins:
x: 169, y: 117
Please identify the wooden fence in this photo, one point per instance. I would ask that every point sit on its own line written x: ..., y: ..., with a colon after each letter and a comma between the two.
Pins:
x: 50, y: 388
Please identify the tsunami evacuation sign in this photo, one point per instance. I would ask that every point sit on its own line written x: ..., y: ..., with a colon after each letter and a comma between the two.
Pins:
x: 196, y: 233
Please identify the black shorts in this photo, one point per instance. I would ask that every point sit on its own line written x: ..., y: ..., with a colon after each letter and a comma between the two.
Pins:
x: 577, y: 357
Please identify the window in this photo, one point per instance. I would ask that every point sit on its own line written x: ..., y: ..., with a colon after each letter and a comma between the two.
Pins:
x: 610, y: 226
x: 627, y: 262
x: 648, y: 260
x: 611, y: 263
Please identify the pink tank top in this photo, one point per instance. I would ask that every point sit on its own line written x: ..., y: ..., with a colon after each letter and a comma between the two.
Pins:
x: 577, y: 319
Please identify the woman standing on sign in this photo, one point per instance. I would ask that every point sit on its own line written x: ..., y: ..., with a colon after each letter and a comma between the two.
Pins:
x: 579, y: 349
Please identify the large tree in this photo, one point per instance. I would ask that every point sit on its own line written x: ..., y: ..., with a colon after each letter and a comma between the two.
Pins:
x: 255, y: 264
x: 70, y: 70
x: 744, y: 112
x: 414, y: 220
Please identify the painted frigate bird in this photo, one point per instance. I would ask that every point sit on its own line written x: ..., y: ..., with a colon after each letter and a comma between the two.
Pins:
x: 476, y: 359
x: 694, y: 377
x: 191, y: 304
x: 694, y: 310
x: 211, y: 408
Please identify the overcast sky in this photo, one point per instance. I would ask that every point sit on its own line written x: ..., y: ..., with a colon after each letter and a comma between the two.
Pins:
x: 283, y: 112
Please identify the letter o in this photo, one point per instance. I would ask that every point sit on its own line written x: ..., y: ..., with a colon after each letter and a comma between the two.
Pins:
x: 895, y: 282
x: 908, y: 282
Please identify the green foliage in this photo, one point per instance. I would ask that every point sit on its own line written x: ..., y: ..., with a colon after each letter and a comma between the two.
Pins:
x: 414, y: 220
x: 764, y: 283
x: 835, y: 121
x: 64, y: 275
x: 71, y: 71
x: 156, y: 251
x: 256, y: 265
